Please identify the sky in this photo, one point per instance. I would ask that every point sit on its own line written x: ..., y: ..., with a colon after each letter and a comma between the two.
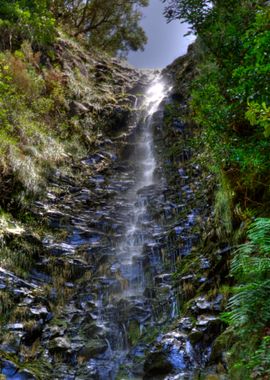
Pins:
x: 165, y: 41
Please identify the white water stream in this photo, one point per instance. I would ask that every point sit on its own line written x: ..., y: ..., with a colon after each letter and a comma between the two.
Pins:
x: 128, y: 267
x: 131, y: 248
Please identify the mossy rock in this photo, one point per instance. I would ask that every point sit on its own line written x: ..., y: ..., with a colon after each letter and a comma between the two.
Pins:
x: 221, y: 345
x: 195, y: 336
x: 93, y: 348
x: 157, y: 363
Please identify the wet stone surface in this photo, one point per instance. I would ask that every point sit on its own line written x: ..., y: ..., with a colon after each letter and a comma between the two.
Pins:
x: 124, y: 232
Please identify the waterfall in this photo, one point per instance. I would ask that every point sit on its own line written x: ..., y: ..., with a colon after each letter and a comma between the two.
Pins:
x: 131, y: 247
x: 123, y: 301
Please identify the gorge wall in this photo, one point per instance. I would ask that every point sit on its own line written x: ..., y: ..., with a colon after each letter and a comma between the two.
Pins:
x: 114, y: 265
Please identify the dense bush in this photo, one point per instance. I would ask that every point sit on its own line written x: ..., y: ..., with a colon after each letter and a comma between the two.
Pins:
x: 230, y: 99
x: 25, y: 20
x: 253, y: 76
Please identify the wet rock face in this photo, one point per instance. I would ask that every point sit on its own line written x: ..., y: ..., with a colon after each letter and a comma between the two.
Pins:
x: 77, y: 207
x: 202, y: 305
x: 92, y: 349
x: 103, y: 309
x: 158, y: 363
x: 205, y: 330
x: 172, y: 354
x: 185, y: 352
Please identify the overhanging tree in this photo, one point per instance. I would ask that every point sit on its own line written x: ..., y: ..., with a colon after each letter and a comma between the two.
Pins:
x: 111, y: 24
x: 194, y: 12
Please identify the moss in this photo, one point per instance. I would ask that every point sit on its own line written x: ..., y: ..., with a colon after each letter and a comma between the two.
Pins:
x: 39, y: 368
x: 123, y: 373
x: 6, y: 305
x: 133, y: 332
x: 19, y: 253
x: 222, y: 345
x: 151, y: 333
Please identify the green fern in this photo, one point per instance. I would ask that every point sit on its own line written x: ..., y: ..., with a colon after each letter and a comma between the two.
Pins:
x: 252, y: 258
x: 249, y: 307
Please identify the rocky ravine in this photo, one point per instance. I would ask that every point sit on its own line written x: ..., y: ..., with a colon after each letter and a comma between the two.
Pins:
x: 74, y: 316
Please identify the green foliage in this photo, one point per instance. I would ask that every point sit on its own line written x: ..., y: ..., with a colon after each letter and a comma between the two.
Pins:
x: 209, y: 105
x: 233, y: 149
x: 259, y: 114
x: 230, y: 97
x: 194, y: 12
x: 260, y: 361
x: 127, y: 35
x: 21, y: 20
x: 110, y: 25
x: 243, y: 265
x: 249, y: 307
x: 252, y: 77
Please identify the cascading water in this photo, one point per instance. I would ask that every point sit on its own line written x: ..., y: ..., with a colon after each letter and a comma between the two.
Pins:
x: 135, y: 296
x: 131, y: 247
x: 127, y: 267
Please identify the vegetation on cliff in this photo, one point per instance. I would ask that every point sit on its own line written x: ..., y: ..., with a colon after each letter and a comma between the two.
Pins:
x: 39, y: 83
x: 230, y: 102
x: 109, y: 25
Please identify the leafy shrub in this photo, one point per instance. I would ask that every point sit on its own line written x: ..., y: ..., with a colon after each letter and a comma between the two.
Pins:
x: 230, y: 100
x: 21, y: 20
x: 259, y: 114
x: 249, y: 313
x: 252, y: 77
